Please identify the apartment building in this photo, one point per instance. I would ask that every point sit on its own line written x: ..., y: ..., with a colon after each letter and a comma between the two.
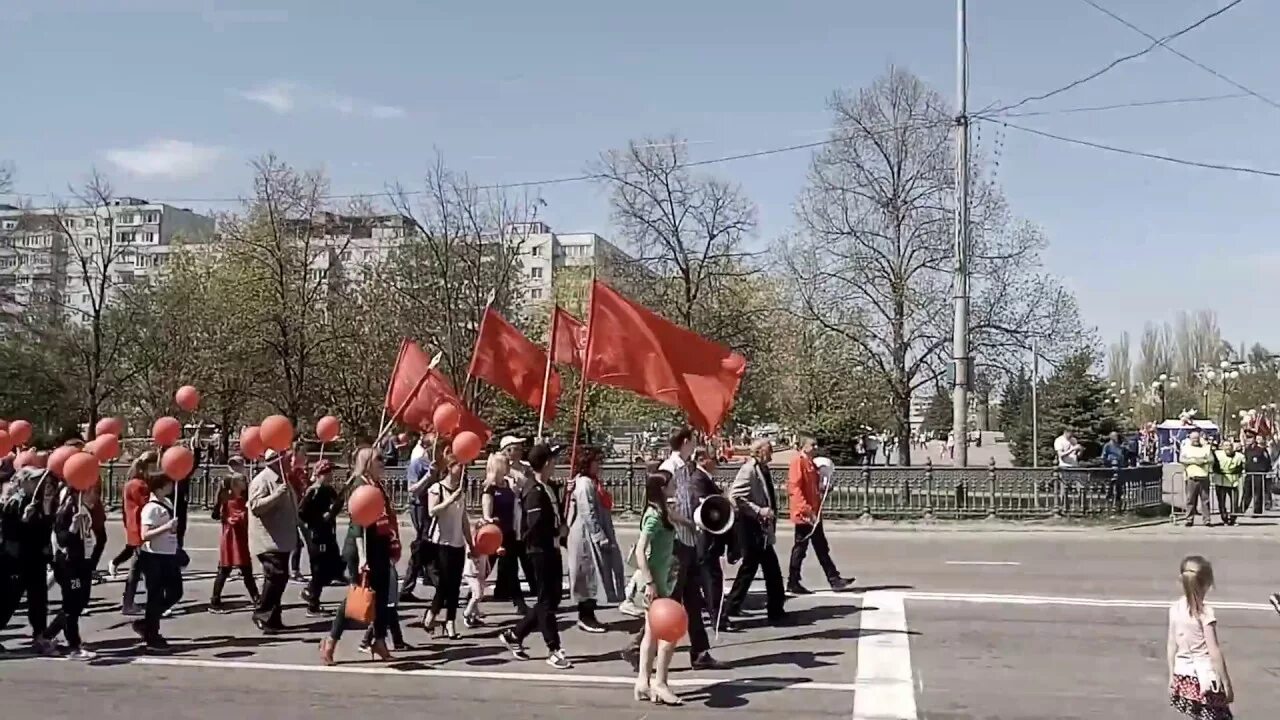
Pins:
x: 44, y: 251
x: 558, y: 266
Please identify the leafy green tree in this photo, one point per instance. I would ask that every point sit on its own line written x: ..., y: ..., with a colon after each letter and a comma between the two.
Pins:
x: 1075, y: 398
x: 937, y: 418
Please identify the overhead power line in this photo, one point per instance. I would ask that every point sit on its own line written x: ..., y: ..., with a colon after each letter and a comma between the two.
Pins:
x: 1183, y: 55
x: 1136, y: 153
x: 1155, y: 43
x: 1122, y: 106
x: 942, y: 122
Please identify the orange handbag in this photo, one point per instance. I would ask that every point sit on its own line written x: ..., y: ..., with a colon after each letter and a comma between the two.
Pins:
x: 359, y: 606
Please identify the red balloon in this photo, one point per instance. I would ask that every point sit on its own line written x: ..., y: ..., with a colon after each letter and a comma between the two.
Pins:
x: 109, y: 426
x: 20, y: 431
x: 6, y: 442
x: 366, y: 505
x: 58, y: 459
x: 277, y: 432
x: 466, y: 446
x: 488, y: 539
x: 187, y: 397
x: 81, y: 471
x: 178, y: 462
x: 668, y: 619
x: 105, y: 447
x: 251, y: 447
x: 166, y: 431
x: 327, y: 428
x: 446, y: 418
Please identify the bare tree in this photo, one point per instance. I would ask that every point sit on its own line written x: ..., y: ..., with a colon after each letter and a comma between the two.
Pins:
x: 1119, y: 362
x: 463, y: 256
x: 875, y: 259
x: 688, y: 231
x: 6, y: 177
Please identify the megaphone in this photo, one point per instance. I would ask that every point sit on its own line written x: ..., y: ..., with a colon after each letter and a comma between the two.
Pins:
x: 826, y: 469
x: 714, y: 514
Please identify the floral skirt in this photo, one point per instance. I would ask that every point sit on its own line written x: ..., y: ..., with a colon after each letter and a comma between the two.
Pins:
x: 1187, y: 698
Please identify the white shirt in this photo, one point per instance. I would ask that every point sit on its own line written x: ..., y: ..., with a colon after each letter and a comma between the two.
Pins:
x: 1066, y: 450
x: 155, y: 513
x: 1188, y: 636
x: 447, y: 526
x: 418, y: 451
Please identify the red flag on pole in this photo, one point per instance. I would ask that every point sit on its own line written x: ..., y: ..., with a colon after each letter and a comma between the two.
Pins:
x: 409, y: 369
x: 508, y: 360
x: 569, y: 339
x: 633, y: 348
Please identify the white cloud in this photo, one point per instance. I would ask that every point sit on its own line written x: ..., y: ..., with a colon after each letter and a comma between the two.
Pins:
x: 386, y: 112
x: 280, y: 97
x: 348, y: 105
x: 165, y: 158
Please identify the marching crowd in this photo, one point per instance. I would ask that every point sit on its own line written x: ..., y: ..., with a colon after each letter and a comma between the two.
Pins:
x: 549, y: 529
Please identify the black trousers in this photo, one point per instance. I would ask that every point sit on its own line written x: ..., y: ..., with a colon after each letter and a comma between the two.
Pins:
x: 326, y: 563
x: 1226, y: 501
x: 220, y: 581
x: 74, y: 579
x: 756, y: 556
x: 1255, y: 493
x: 275, y: 579
x: 25, y: 575
x: 806, y: 534
x: 451, y: 561
x: 163, y: 574
x: 421, y: 521
x: 507, y: 583
x: 710, y: 550
x: 126, y: 552
x: 295, y: 557
x: 688, y: 590
x: 547, y: 569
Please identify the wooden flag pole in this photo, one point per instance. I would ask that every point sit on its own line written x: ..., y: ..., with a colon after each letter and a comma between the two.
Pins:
x: 382, y: 421
x: 586, y: 372
x: 408, y: 398
x: 546, y: 375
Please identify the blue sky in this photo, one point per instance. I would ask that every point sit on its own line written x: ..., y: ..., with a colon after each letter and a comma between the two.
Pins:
x: 171, y: 99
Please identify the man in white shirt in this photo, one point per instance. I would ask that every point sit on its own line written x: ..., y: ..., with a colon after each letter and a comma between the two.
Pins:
x: 1067, y: 449
x: 518, y: 471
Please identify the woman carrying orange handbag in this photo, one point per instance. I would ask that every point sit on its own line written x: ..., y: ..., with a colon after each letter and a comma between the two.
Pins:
x: 370, y: 556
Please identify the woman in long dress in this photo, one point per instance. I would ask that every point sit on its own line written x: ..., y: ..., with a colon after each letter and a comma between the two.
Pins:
x: 595, y: 560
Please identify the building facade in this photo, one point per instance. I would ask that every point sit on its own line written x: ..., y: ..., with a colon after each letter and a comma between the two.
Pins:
x: 54, y: 257
x: 558, y: 267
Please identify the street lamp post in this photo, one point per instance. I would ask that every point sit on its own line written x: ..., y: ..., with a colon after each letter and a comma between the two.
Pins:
x: 1161, y: 385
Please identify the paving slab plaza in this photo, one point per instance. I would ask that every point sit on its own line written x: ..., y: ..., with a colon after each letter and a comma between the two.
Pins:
x: 941, y: 624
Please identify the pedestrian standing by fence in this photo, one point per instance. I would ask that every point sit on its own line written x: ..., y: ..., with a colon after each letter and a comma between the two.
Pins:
x: 1226, y: 483
x: 1257, y: 466
x: 1197, y: 460
x: 1199, y: 684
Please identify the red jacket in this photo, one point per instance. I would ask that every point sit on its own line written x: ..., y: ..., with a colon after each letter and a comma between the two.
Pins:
x: 136, y: 496
x: 802, y: 489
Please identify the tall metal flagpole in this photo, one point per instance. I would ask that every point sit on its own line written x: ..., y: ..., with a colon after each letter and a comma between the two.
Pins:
x: 546, y: 375
x: 1035, y: 405
x: 960, y: 349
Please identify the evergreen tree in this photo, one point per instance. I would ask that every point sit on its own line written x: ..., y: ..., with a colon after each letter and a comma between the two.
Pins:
x: 1015, y: 417
x: 938, y: 417
x: 1074, y: 397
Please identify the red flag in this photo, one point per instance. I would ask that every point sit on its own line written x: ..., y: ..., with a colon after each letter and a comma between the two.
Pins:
x: 410, y: 366
x: 508, y: 360
x: 631, y: 347
x: 568, y: 339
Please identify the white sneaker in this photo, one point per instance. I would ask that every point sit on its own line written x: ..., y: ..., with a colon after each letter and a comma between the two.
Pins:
x: 630, y: 609
x: 82, y: 655
x: 558, y: 661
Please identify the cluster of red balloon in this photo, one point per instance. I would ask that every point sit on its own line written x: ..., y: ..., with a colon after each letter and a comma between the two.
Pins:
x: 14, y: 434
x: 466, y: 445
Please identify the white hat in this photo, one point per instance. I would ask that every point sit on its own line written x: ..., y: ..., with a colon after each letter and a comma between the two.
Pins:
x: 509, y: 440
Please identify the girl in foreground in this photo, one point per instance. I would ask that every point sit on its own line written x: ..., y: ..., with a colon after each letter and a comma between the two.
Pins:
x: 1199, y: 684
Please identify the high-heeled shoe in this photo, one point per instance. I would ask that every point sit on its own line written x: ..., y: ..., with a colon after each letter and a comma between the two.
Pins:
x: 327, y: 646
x: 662, y: 695
x: 641, y: 692
x: 378, y: 650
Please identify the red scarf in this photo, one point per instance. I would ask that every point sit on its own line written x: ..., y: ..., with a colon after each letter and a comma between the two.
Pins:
x: 606, y: 500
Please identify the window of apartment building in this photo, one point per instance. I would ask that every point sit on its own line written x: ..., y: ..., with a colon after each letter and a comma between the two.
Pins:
x: 10, y: 224
x: 535, y: 273
x: 535, y: 294
x: 140, y: 261
x: 128, y: 237
x: 535, y: 251
x: 153, y: 217
x: 87, y: 241
x: 346, y: 256
x: 127, y: 219
x: 148, y: 237
x: 84, y: 298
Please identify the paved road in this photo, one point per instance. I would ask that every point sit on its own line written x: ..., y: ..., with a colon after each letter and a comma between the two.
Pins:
x: 941, y: 625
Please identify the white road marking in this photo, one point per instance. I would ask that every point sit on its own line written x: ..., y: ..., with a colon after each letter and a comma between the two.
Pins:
x: 981, y: 562
x: 984, y: 599
x: 561, y: 678
x: 885, y: 689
